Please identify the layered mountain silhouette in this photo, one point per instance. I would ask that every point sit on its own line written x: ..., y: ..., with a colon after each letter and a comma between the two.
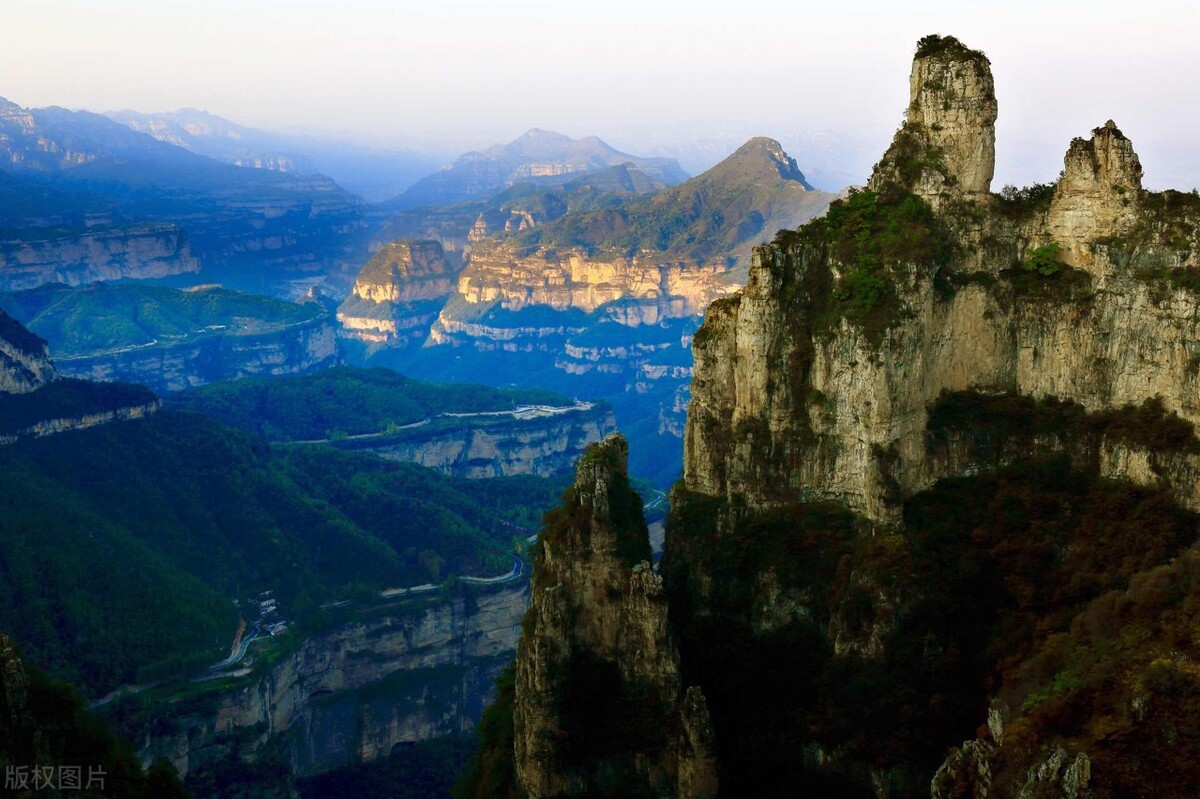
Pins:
x: 537, y: 156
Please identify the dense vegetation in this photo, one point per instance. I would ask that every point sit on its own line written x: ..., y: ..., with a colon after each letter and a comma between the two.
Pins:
x: 67, y: 398
x: 347, y: 401
x: 418, y: 771
x: 989, y: 571
x: 490, y: 773
x: 108, y: 316
x: 47, y: 725
x: 122, y: 546
x: 1012, y: 417
x: 946, y: 47
x: 870, y: 238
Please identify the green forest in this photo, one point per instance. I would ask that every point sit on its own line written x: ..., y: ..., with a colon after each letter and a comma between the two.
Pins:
x: 346, y: 401
x: 123, y: 546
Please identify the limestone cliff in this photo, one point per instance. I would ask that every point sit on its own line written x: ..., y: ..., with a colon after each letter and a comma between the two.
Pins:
x: 170, y: 340
x: 34, y: 402
x: 413, y: 671
x: 599, y: 706
x: 924, y: 361
x: 174, y: 366
x: 958, y: 304
x: 394, y: 296
x: 91, y: 255
x: 537, y: 441
x: 24, y: 358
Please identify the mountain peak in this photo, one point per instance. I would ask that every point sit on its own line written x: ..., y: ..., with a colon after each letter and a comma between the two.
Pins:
x: 947, y: 145
x: 541, y: 135
x: 761, y: 158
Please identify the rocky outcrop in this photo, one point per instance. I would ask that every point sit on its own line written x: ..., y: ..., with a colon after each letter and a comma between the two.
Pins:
x: 395, y: 296
x: 597, y: 675
x: 847, y: 420
x: 1096, y: 197
x: 418, y: 670
x: 88, y: 256
x: 24, y: 358
x: 165, y: 366
x: 924, y: 334
x: 947, y: 144
x: 535, y: 441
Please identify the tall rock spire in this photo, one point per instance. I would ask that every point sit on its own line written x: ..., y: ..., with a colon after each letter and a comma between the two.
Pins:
x: 597, y: 675
x: 947, y: 145
x: 1097, y: 195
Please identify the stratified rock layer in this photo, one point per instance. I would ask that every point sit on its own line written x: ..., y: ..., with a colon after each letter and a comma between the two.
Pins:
x: 411, y: 673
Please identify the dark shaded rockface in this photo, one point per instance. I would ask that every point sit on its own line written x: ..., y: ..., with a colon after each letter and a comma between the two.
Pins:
x: 598, y: 708
x: 51, y: 747
x: 901, y: 438
x: 414, y: 671
x: 24, y: 358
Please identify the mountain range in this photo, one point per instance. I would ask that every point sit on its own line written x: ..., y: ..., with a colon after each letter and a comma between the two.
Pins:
x: 537, y: 156
x: 598, y: 300
x: 107, y: 182
x: 374, y: 174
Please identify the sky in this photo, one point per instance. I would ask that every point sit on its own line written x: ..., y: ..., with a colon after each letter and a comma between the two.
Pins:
x: 648, y: 76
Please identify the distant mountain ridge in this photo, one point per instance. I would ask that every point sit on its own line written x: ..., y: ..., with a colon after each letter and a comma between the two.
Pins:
x: 373, y: 173
x: 245, y: 224
x: 536, y: 156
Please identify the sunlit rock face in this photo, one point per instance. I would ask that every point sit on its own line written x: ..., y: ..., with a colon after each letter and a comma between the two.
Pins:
x: 115, y: 253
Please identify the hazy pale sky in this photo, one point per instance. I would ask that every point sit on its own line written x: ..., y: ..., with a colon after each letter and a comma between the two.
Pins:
x: 471, y: 72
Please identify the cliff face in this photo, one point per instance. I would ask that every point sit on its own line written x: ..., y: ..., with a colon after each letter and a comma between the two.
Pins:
x: 394, y: 296
x: 538, y: 443
x: 599, y: 707
x: 351, y: 695
x: 881, y: 410
x: 111, y: 253
x: 34, y: 402
x: 171, y: 340
x: 175, y: 366
x: 964, y: 309
x: 24, y: 358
